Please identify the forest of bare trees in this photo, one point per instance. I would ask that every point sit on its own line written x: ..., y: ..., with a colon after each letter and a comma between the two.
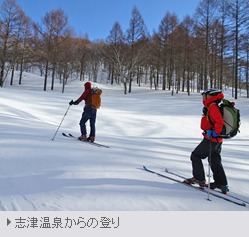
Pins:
x: 210, y: 49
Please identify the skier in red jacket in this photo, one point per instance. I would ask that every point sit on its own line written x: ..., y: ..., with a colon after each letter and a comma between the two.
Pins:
x: 88, y: 114
x: 212, y: 124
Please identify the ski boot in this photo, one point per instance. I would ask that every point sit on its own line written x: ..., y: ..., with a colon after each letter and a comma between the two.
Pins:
x: 224, y: 188
x: 193, y: 180
x: 90, y: 139
x: 82, y: 138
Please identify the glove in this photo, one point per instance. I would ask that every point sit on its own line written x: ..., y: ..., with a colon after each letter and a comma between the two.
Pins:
x: 73, y: 102
x: 205, y: 110
x: 212, y: 133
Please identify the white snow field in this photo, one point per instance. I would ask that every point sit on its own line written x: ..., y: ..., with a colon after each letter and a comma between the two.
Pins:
x: 146, y: 127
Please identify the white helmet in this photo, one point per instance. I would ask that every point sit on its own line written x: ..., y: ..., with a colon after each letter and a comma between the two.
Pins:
x: 211, y: 92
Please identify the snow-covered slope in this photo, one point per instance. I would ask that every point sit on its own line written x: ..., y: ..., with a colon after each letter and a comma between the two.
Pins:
x: 146, y: 127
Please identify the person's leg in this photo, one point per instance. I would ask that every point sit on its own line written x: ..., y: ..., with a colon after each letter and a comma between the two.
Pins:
x: 92, y: 122
x: 217, y: 168
x: 85, y: 116
x: 199, y: 153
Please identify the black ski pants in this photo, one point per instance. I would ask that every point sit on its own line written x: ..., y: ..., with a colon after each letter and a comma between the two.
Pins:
x: 201, y: 152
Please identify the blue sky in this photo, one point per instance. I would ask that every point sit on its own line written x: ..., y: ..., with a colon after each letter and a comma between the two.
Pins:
x: 97, y: 17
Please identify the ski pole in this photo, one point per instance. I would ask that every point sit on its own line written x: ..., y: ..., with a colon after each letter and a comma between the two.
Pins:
x: 209, y: 166
x: 61, y: 122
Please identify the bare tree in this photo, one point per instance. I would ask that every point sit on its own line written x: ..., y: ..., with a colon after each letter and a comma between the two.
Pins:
x: 43, y: 43
x: 82, y: 53
x: 95, y: 56
x: 172, y: 50
x: 155, y: 61
x: 245, y: 48
x: 67, y: 56
x: 15, y: 50
x: 188, y: 53
x: 166, y: 28
x: 222, y: 12
x: 239, y: 13
x: 9, y: 16
x: 197, y: 52
x: 136, y: 39
x: 50, y: 34
x: 115, y: 53
x: 24, y: 45
x: 59, y: 20
x: 205, y: 17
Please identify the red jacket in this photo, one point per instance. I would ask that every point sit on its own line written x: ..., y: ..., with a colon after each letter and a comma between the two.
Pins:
x: 214, y: 115
x: 86, y: 94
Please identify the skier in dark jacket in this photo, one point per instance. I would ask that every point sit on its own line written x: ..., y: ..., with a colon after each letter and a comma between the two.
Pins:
x: 211, y: 124
x: 88, y: 114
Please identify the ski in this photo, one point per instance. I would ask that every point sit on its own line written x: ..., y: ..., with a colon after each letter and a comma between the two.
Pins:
x: 222, y: 196
x: 228, y: 194
x: 88, y: 142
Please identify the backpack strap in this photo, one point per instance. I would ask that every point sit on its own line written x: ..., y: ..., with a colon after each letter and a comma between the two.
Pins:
x: 89, y: 101
x: 208, y: 117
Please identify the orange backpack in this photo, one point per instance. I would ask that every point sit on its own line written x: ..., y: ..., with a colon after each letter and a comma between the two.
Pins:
x: 95, y: 97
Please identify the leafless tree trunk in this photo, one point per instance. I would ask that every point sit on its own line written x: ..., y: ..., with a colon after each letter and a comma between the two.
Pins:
x: 10, y: 15
x: 239, y: 13
x: 50, y: 35
x: 136, y: 39
x: 205, y: 16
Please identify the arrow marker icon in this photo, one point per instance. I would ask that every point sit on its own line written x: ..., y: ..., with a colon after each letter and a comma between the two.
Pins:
x: 8, y: 221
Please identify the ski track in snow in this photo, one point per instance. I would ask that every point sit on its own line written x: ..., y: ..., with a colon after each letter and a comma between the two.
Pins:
x: 17, y: 203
